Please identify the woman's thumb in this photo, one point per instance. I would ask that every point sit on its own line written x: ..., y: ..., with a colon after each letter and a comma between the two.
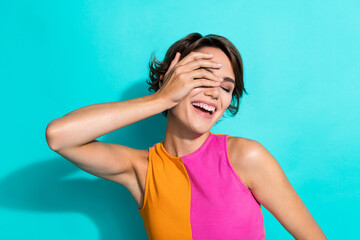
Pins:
x: 175, y: 60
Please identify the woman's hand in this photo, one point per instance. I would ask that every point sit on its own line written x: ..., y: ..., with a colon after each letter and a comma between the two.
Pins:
x: 182, y: 76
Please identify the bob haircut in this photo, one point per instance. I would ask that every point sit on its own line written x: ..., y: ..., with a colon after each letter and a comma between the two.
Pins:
x: 190, y: 43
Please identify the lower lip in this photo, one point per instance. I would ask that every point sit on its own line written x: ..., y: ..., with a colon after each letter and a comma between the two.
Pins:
x: 203, y: 114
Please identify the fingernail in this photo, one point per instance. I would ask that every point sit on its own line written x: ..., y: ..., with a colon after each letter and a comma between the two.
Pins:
x: 210, y: 54
x: 219, y: 64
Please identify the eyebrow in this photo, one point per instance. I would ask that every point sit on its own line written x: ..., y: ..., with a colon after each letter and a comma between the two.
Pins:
x: 228, y: 79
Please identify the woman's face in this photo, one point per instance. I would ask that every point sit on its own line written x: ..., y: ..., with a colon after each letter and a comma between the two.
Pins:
x: 192, y: 117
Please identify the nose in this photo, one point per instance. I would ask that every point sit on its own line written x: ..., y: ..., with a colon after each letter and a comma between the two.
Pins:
x: 212, y: 92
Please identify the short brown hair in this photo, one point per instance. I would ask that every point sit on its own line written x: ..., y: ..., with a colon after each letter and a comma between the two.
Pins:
x: 189, y: 44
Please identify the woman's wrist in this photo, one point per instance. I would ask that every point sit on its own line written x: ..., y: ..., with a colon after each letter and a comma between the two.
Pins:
x: 167, y: 104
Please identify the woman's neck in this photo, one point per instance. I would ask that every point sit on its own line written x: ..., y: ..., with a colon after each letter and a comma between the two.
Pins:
x: 180, y: 142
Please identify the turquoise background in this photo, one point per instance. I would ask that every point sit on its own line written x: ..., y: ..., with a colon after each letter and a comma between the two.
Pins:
x: 302, y: 69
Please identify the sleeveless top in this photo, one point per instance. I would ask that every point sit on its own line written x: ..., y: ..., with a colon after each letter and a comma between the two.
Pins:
x: 198, y: 196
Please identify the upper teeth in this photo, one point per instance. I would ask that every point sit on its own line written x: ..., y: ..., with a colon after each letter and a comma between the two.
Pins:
x: 205, y: 106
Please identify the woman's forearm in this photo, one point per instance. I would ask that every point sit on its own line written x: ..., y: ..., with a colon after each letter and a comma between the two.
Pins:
x: 88, y: 123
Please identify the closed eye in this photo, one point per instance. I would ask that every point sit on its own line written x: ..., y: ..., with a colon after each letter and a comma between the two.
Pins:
x: 225, y: 89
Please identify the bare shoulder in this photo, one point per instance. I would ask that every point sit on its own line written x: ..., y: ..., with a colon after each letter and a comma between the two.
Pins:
x: 141, y: 155
x: 136, y: 184
x: 138, y: 161
x: 268, y: 183
x: 243, y: 146
x: 245, y: 155
x: 141, y: 165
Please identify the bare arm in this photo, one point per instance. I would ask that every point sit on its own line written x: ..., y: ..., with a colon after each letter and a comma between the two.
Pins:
x: 73, y: 135
x: 270, y: 186
x: 88, y: 123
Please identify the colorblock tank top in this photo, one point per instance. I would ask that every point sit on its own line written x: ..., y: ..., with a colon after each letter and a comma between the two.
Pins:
x: 198, y: 196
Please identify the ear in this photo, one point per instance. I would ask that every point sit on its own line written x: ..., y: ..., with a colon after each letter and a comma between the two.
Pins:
x: 161, y: 80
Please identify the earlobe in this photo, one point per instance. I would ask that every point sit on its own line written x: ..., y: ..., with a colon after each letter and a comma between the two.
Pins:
x: 160, y: 80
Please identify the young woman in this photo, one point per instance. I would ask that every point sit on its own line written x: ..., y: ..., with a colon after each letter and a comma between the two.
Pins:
x: 195, y: 184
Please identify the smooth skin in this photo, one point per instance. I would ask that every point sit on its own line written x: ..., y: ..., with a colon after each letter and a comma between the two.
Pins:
x: 73, y: 136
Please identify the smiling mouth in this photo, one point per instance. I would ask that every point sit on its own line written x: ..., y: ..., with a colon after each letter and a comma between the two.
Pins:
x: 204, y: 110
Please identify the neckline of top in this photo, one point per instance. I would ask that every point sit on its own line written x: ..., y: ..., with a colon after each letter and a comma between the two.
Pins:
x: 190, y: 154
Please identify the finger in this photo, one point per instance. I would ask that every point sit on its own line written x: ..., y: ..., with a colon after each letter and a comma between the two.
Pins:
x: 204, y: 73
x: 193, y: 56
x: 202, y: 63
x: 202, y: 82
x: 174, y: 61
x: 172, y: 65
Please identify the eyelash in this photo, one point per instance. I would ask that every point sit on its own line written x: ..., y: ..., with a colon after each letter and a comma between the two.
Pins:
x: 226, y: 90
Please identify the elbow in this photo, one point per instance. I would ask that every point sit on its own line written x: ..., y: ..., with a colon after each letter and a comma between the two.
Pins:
x: 50, y: 135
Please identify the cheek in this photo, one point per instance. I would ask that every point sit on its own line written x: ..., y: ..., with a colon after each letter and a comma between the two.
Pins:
x: 181, y: 107
x: 227, y: 100
x: 195, y: 91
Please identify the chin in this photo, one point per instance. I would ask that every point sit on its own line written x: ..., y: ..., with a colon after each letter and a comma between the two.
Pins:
x: 193, y: 120
x: 200, y: 126
x: 196, y: 128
